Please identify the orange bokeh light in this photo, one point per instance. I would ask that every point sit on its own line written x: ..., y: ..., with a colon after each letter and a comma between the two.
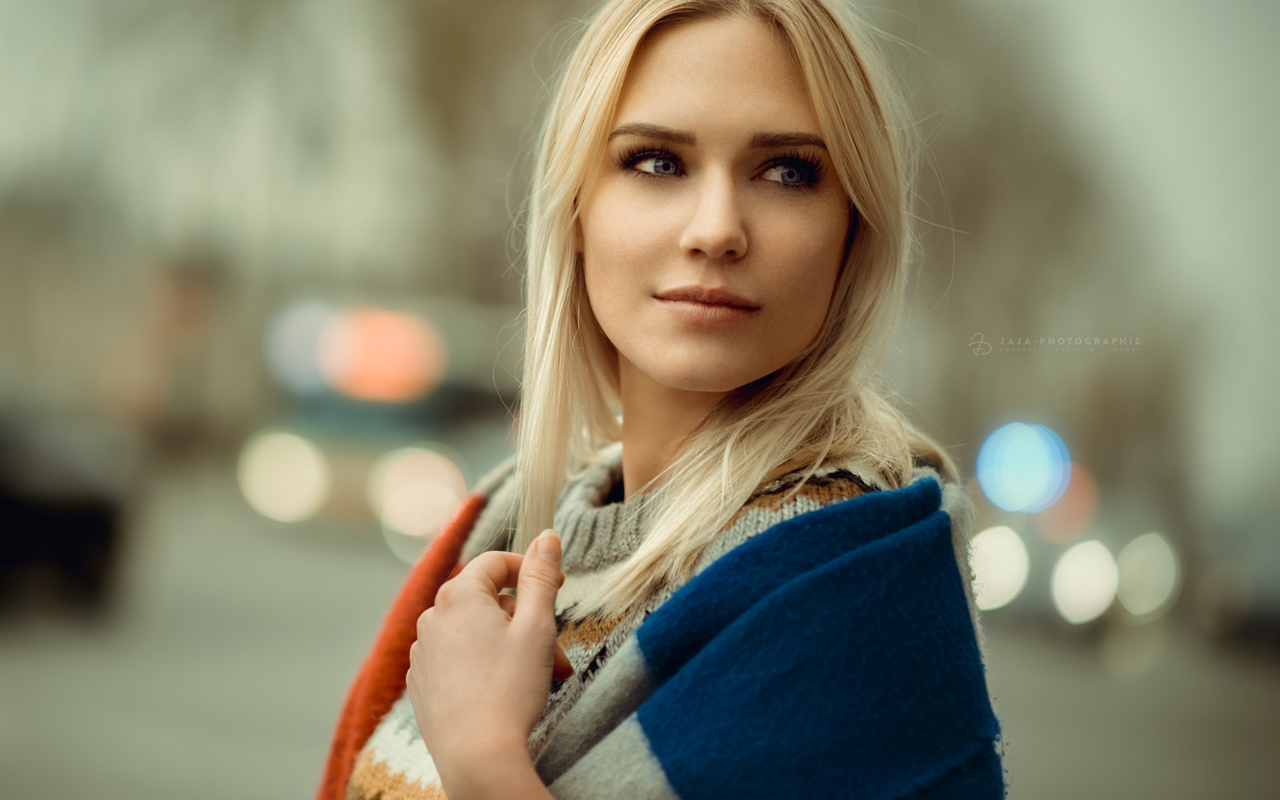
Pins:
x: 382, y: 356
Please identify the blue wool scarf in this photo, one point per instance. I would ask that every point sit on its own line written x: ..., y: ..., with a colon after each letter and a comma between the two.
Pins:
x: 832, y: 655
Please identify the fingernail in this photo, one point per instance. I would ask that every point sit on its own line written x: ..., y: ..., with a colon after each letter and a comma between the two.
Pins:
x: 549, y: 545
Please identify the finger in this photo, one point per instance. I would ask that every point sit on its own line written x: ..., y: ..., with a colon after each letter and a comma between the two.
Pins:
x: 561, y: 668
x: 539, y: 580
x: 489, y: 572
x: 507, y: 603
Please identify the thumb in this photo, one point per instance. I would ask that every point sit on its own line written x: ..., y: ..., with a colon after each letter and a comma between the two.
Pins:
x: 539, y: 580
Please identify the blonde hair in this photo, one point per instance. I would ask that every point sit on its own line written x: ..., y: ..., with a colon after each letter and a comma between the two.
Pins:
x: 821, y: 407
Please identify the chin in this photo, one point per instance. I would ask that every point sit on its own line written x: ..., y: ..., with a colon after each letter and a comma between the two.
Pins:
x: 717, y: 381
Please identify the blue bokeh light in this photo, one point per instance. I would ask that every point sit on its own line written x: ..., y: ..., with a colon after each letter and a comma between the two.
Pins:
x: 1023, y: 467
x: 291, y: 344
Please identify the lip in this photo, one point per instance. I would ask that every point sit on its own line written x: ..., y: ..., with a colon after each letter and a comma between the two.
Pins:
x: 704, y: 307
x: 708, y: 297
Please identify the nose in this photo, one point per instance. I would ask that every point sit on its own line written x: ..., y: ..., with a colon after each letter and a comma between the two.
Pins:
x: 716, y: 229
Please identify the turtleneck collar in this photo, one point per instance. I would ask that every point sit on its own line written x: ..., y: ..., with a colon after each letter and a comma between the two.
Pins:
x: 597, y: 533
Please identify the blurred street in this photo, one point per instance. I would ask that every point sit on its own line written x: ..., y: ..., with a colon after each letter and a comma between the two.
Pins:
x: 222, y: 671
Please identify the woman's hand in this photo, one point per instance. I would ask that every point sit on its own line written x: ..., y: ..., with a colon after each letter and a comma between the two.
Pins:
x: 482, y: 667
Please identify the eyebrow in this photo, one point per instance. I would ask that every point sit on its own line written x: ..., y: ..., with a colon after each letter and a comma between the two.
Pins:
x: 760, y: 140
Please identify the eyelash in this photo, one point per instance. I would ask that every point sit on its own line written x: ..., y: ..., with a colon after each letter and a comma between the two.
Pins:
x: 812, y: 168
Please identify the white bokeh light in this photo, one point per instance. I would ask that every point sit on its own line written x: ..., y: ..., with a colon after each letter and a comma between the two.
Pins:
x: 415, y: 490
x: 283, y: 476
x: 1149, y: 575
x: 1000, y: 565
x: 419, y: 509
x: 1084, y: 582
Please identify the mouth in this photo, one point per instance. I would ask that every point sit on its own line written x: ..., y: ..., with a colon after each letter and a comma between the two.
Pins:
x: 707, y: 297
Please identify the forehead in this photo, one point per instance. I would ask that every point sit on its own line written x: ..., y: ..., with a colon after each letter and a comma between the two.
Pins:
x: 726, y: 74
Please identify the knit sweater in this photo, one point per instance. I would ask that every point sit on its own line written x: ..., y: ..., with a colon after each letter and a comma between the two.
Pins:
x: 757, y: 664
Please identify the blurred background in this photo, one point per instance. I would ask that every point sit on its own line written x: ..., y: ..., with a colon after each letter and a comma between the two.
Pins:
x: 259, y: 334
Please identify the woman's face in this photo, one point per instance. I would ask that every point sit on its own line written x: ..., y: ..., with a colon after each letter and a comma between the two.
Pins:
x: 714, y: 228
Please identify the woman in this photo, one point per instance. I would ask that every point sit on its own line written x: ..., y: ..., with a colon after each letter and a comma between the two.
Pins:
x: 763, y: 590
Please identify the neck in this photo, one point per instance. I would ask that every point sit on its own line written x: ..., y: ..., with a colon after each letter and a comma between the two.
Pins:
x: 656, y: 423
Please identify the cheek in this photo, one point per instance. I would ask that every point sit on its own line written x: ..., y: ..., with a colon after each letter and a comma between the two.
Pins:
x: 606, y: 291
x: 593, y: 235
x: 620, y: 244
x: 598, y: 292
x: 831, y: 230
x: 623, y: 216
x: 811, y: 254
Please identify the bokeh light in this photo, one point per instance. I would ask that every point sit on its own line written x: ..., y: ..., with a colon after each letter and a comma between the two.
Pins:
x: 381, y: 356
x: 1149, y: 575
x: 1084, y: 582
x: 1000, y: 566
x: 283, y: 477
x: 1023, y: 467
x: 1067, y: 520
x: 415, y: 490
x: 291, y: 345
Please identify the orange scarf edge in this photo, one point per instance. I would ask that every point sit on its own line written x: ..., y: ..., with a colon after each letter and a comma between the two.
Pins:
x: 380, y: 681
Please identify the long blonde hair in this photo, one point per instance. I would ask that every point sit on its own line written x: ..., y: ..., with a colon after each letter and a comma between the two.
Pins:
x: 822, y: 406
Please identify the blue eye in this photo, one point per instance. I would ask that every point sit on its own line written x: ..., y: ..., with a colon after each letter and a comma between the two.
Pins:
x: 798, y: 170
x: 651, y: 161
x: 788, y: 174
x: 657, y: 165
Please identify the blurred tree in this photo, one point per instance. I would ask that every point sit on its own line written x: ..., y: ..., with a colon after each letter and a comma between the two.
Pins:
x: 1023, y: 239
